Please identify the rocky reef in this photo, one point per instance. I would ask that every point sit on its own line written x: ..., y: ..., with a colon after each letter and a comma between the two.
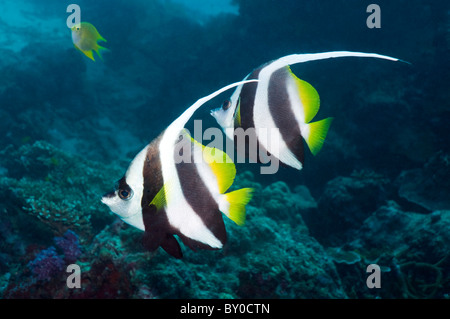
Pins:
x: 290, y: 246
x: 57, y: 189
x: 429, y: 186
x: 275, y: 252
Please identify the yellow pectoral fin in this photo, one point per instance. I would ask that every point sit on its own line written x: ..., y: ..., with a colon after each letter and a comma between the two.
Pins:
x: 160, y: 199
x: 237, y: 115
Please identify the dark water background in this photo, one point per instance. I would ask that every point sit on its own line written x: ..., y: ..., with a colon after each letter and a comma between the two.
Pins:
x: 378, y: 192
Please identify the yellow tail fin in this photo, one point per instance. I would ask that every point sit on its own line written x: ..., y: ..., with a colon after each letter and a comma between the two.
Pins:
x: 237, y: 200
x: 317, y: 134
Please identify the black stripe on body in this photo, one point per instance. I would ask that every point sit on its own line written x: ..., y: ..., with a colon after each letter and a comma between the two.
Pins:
x: 159, y: 235
x: 200, y: 199
x: 246, y: 107
x: 158, y: 231
x: 152, y: 172
x: 282, y: 114
x: 247, y: 100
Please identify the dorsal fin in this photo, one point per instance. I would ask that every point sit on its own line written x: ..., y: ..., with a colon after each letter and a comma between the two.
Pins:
x: 308, y: 96
x: 221, y: 165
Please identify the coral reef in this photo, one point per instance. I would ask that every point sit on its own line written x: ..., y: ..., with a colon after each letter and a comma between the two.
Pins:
x: 411, y: 247
x: 289, y: 247
x: 280, y: 203
x: 47, y: 264
x: 69, y: 243
x: 428, y: 186
x: 346, y: 202
x: 61, y: 191
x: 343, y: 256
x: 283, y: 259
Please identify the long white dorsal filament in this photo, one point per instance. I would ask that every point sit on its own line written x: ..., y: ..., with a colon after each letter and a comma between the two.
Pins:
x: 300, y: 58
x: 181, y: 121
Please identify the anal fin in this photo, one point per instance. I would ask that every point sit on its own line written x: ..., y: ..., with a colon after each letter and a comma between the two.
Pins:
x: 171, y: 246
x: 89, y: 54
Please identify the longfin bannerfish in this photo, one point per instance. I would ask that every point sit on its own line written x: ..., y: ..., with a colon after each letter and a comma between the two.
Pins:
x: 85, y: 38
x: 165, y: 197
x: 283, y: 104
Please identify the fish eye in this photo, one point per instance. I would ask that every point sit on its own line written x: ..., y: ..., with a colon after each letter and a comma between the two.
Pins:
x: 125, y: 194
x: 226, y: 105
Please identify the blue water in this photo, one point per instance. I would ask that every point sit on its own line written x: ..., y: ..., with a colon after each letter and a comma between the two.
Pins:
x: 377, y: 193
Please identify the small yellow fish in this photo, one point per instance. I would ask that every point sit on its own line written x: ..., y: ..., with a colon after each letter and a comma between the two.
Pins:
x: 85, y: 37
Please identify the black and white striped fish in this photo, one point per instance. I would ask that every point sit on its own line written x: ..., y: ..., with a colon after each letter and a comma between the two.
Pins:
x: 164, y: 196
x: 282, y: 106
